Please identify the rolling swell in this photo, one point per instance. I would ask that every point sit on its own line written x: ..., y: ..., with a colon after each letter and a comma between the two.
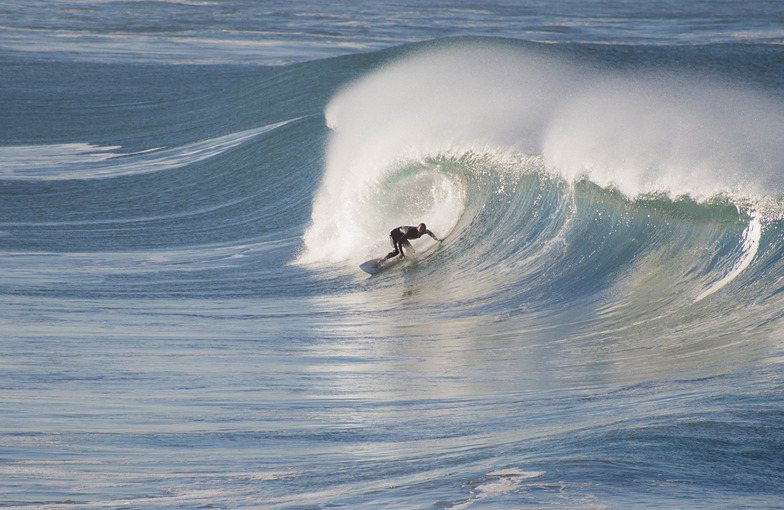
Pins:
x: 181, y: 193
x: 619, y: 209
x: 640, y: 135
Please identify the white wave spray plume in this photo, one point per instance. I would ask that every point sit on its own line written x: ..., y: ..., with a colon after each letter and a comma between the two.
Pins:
x: 640, y: 134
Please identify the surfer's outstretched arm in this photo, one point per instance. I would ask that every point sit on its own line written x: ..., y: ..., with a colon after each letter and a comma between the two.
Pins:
x: 432, y: 235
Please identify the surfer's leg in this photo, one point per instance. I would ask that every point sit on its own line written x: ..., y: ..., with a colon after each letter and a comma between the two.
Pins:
x: 392, y: 253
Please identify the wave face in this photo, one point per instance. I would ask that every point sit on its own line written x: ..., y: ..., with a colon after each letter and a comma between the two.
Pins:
x: 601, y: 326
x: 495, y: 145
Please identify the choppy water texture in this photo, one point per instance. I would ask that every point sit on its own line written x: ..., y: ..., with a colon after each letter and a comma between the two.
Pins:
x: 187, y: 190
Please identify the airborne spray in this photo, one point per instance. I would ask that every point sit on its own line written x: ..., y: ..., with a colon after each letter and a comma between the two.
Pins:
x: 638, y: 134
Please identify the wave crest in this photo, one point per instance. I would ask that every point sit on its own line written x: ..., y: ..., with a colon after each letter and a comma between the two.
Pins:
x: 636, y: 134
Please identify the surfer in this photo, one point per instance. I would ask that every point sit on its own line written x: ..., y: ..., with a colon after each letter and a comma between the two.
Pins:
x: 400, y: 236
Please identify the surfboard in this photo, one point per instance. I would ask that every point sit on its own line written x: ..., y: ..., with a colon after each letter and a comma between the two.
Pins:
x: 374, y: 266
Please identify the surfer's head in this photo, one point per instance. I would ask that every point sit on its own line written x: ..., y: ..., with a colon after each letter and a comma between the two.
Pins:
x: 421, y: 228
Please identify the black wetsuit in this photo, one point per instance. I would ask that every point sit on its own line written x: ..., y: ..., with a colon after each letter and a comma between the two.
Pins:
x: 400, y: 236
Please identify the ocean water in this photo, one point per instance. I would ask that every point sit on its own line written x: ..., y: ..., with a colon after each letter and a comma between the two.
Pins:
x: 187, y: 189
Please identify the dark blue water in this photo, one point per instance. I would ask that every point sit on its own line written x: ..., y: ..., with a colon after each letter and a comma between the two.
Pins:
x: 187, y: 189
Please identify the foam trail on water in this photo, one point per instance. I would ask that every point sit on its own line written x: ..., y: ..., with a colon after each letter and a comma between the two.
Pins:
x: 751, y: 240
x: 640, y: 134
x: 87, y: 161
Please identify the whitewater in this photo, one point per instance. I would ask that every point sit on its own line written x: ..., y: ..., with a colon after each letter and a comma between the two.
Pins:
x: 188, y: 189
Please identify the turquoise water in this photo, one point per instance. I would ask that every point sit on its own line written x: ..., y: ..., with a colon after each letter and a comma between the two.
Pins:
x: 188, y: 188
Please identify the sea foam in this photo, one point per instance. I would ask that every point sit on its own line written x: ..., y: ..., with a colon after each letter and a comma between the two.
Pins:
x: 638, y: 133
